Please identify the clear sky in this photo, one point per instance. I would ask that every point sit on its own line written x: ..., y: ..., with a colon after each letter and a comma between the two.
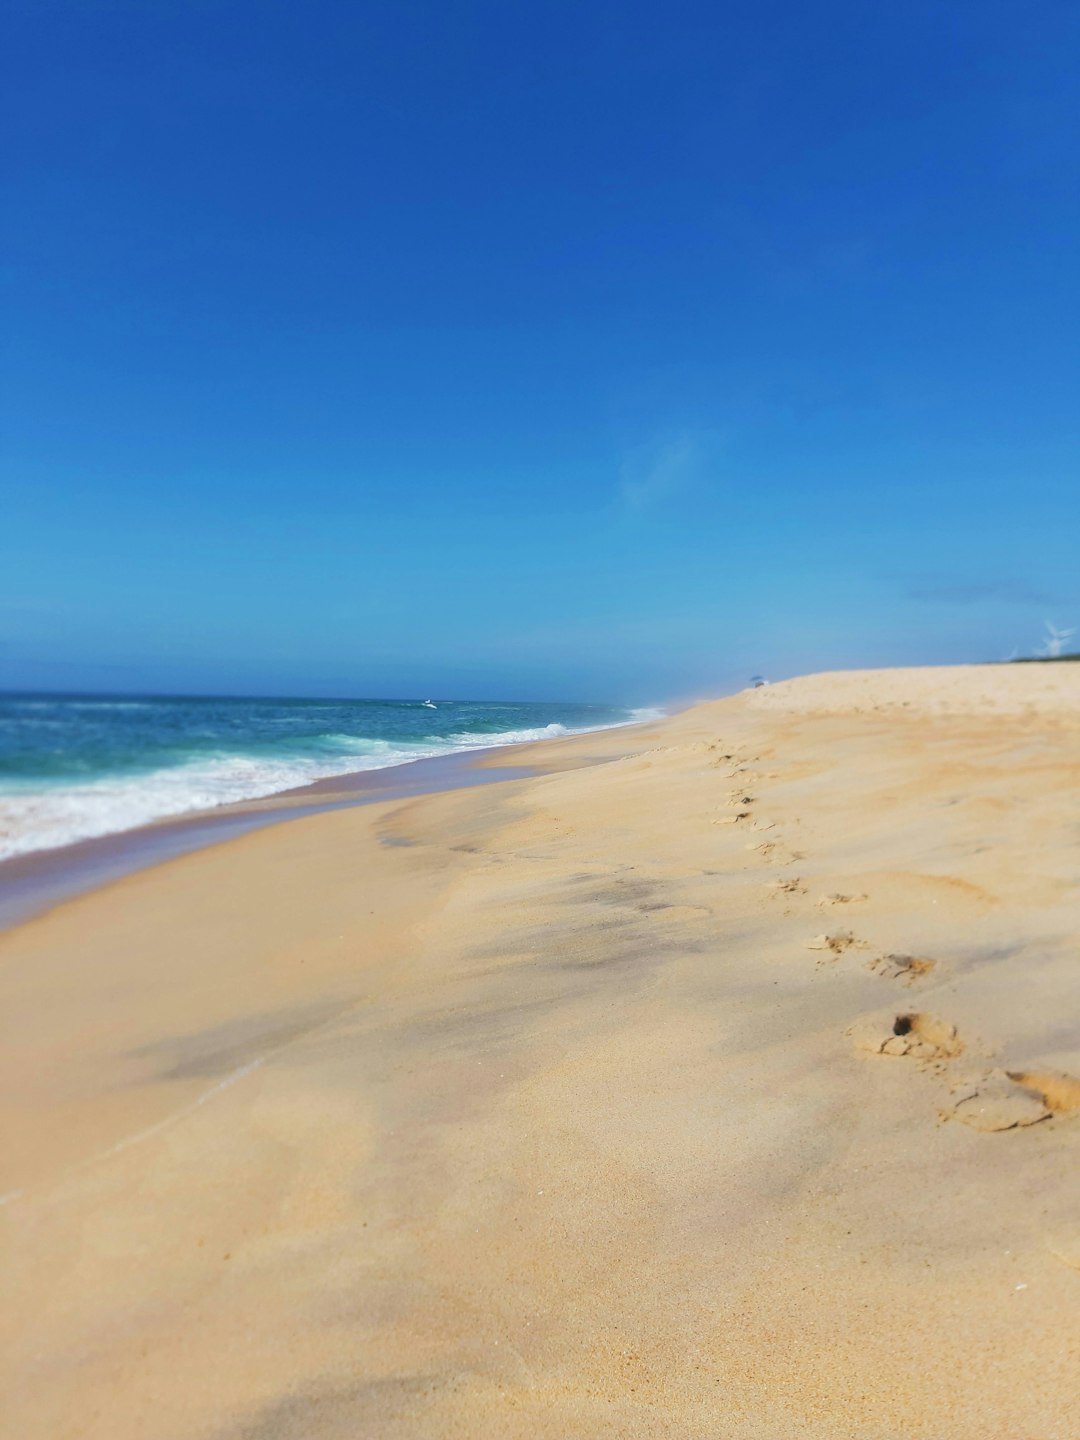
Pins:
x: 535, y: 350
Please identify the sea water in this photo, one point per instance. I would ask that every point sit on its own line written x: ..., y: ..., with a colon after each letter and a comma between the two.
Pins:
x: 77, y: 766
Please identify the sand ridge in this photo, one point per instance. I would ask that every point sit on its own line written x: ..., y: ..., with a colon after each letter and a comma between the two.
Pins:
x: 718, y: 1081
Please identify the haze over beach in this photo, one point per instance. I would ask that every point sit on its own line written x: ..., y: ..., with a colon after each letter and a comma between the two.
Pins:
x: 539, y: 722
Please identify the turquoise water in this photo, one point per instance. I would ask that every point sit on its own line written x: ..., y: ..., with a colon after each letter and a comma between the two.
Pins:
x: 76, y: 766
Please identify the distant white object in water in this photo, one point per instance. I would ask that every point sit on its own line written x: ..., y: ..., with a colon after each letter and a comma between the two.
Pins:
x: 431, y: 704
x: 757, y: 681
x: 1055, y: 641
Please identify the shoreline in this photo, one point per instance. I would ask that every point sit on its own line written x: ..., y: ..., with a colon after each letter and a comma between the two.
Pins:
x: 32, y: 882
x: 718, y: 1077
x: 92, y: 803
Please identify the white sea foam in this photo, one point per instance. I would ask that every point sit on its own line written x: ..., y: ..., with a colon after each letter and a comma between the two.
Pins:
x: 43, y: 819
x: 466, y: 740
x: 46, y: 818
x: 643, y: 714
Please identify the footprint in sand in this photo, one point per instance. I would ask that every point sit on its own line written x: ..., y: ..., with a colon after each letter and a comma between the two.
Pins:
x: 988, y: 1100
x: 1010, y: 1099
x: 915, y: 1034
x: 905, y: 968
x: 775, y: 853
x: 732, y: 819
x: 992, y: 1102
x: 1058, y: 1091
x: 838, y: 899
x: 788, y: 887
x: 836, y: 943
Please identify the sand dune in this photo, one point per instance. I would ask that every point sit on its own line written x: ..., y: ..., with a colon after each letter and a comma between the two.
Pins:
x: 721, y: 1080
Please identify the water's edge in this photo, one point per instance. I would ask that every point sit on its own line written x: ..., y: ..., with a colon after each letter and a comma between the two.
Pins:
x: 35, y: 882
x: 74, y: 768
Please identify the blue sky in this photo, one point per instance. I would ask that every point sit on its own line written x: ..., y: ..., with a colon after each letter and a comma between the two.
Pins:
x: 539, y: 350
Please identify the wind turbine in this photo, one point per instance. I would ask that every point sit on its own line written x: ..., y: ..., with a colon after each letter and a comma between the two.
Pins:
x: 1055, y: 641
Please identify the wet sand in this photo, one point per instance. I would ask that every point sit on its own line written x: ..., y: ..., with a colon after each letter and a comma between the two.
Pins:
x: 34, y: 882
x: 723, y: 1080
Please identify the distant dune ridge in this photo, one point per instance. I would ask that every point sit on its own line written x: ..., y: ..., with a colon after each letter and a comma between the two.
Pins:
x: 723, y: 1079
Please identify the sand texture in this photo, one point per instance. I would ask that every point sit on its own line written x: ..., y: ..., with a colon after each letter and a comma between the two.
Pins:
x: 721, y: 1081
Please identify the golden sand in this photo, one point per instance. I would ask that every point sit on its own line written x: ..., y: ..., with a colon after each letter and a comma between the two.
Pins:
x: 721, y: 1081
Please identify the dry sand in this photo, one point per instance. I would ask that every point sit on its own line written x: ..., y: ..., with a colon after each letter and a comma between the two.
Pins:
x: 720, y: 1087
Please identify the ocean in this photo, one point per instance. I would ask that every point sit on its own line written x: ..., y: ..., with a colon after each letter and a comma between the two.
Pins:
x: 77, y: 766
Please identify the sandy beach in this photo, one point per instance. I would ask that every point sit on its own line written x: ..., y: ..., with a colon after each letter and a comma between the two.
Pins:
x: 721, y: 1080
